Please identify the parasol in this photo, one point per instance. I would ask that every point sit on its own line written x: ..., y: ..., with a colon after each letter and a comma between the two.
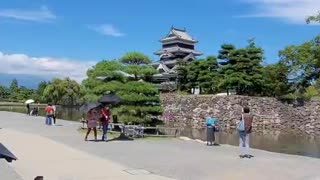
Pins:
x: 88, y: 106
x: 29, y: 101
x: 110, y: 99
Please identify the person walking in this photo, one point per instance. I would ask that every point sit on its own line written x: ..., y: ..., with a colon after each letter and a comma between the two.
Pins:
x: 244, y: 127
x: 105, y: 121
x: 49, y: 114
x: 92, y: 117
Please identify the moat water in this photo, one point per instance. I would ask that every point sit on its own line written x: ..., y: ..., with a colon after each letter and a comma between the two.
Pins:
x: 284, y: 141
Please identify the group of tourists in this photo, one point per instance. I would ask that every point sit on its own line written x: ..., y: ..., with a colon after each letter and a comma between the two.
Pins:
x: 244, y: 128
x: 51, y: 114
x: 98, y: 116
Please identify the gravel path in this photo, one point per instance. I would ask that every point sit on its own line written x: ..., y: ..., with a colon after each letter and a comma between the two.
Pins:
x: 185, y: 160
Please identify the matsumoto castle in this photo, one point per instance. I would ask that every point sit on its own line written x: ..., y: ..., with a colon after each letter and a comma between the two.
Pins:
x: 177, y: 45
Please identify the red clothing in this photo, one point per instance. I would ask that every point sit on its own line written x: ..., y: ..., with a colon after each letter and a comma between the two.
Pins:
x: 106, y: 116
x: 49, y: 110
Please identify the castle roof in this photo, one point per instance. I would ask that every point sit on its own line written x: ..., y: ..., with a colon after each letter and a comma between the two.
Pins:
x: 177, y: 49
x: 178, y: 34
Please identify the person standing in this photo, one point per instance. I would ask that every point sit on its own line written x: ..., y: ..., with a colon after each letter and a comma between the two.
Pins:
x: 244, y: 127
x: 28, y: 109
x: 49, y: 114
x: 105, y: 121
x: 92, y: 116
x: 54, y: 114
x: 211, y: 128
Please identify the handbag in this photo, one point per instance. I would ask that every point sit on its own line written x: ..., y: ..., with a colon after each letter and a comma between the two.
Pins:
x: 241, y: 126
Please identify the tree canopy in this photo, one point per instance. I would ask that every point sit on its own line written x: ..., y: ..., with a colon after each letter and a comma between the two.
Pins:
x: 63, y: 91
x: 141, y: 102
x: 315, y: 18
x: 135, y: 58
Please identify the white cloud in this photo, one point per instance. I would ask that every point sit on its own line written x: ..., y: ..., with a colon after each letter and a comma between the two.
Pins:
x: 107, y: 29
x: 293, y: 11
x: 39, y: 15
x: 43, y: 66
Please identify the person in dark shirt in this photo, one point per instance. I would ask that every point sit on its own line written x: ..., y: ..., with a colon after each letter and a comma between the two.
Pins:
x: 105, y: 120
x: 28, y: 109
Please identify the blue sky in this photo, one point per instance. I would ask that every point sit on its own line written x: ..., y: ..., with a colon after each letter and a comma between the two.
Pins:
x: 51, y: 38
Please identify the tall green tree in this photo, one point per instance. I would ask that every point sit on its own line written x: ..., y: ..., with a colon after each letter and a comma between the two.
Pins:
x: 14, y: 86
x: 256, y: 57
x: 141, y: 103
x: 4, y: 92
x: 135, y: 58
x: 141, y: 99
x: 241, y: 69
x: 303, y: 61
x: 182, y: 73
x: 102, y: 78
x: 275, y: 80
x: 138, y: 64
x: 63, y: 91
x: 204, y: 74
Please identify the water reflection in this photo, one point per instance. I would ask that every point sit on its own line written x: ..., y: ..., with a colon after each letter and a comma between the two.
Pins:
x: 286, y: 141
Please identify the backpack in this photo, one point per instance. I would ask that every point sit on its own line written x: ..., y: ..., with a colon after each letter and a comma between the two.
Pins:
x: 240, y: 125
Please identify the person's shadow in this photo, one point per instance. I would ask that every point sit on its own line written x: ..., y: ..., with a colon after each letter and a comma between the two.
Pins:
x: 122, y: 137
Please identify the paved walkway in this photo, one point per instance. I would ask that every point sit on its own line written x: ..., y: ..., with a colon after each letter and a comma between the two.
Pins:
x: 173, y: 159
x: 7, y: 172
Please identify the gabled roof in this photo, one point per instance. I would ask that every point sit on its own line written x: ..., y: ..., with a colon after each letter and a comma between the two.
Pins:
x: 174, y: 69
x: 167, y: 55
x: 190, y: 56
x: 163, y: 67
x: 177, y: 49
x: 166, y: 62
x: 180, y: 34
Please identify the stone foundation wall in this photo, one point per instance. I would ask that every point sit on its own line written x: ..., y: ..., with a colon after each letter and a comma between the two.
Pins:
x: 191, y: 111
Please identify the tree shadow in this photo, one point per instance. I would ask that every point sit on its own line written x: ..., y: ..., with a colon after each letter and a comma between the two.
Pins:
x: 122, y: 137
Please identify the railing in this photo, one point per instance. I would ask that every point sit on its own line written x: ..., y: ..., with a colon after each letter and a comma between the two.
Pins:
x: 141, y: 131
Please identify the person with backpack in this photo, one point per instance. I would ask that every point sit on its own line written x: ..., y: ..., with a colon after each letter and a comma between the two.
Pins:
x: 244, y: 127
x: 49, y: 115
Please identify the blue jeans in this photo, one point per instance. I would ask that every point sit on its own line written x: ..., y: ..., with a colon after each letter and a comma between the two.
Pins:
x: 104, y: 131
x: 49, y: 119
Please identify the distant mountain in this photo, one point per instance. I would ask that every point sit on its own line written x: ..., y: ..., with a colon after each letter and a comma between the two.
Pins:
x: 28, y: 81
